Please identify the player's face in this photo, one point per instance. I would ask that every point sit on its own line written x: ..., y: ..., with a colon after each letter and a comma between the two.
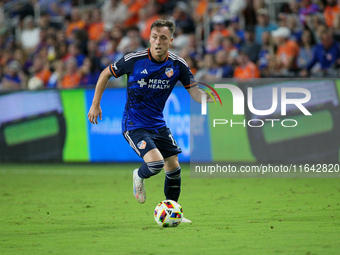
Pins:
x: 160, y: 40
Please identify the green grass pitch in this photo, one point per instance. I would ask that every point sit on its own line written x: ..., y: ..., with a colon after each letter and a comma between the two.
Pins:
x: 89, y: 209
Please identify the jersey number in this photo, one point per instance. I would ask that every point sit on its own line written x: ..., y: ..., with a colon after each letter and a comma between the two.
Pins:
x: 173, y: 140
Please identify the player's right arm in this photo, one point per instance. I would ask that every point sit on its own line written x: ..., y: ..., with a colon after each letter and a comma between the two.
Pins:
x: 116, y: 69
x: 95, y: 109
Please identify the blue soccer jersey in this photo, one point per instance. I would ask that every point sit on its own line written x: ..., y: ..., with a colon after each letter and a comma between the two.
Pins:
x: 149, y: 85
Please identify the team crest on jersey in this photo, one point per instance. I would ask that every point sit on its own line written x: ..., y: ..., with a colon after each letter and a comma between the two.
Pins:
x: 141, y: 145
x: 169, y: 72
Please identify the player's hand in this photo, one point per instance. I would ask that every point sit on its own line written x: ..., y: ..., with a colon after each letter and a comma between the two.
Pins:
x: 93, y: 114
x: 212, y: 99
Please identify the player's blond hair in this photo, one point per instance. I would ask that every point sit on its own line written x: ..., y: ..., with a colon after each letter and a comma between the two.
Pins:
x: 164, y: 23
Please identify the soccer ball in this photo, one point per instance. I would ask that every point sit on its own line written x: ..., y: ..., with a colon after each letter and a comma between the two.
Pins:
x: 168, y: 213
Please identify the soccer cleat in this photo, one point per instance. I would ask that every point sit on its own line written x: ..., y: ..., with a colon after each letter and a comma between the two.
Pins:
x: 185, y: 220
x: 138, y: 187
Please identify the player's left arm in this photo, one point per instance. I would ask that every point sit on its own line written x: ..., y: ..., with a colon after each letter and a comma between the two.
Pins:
x: 190, y: 84
x: 196, y: 93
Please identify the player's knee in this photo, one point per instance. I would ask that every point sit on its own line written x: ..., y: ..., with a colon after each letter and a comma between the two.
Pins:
x: 156, y: 166
x: 171, y: 163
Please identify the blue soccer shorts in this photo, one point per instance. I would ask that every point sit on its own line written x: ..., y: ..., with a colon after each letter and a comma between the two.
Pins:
x: 143, y: 140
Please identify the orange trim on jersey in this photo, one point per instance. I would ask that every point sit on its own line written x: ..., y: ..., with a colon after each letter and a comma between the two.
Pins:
x: 149, y: 54
x: 187, y: 86
x: 113, y: 72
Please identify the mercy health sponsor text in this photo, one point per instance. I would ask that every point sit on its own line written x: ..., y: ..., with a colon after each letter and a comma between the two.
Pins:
x: 260, y: 117
x: 154, y: 83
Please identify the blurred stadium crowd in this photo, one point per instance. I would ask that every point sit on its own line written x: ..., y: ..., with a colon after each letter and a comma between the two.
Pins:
x: 66, y: 43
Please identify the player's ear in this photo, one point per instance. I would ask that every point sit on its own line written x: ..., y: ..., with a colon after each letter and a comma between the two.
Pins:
x: 171, y: 39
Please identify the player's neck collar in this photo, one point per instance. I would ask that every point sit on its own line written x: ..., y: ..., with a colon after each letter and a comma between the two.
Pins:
x: 154, y: 60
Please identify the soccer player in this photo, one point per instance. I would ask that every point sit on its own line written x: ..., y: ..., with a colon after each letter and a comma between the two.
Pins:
x: 152, y: 74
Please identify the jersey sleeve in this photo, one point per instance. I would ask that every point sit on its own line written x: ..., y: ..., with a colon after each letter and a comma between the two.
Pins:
x: 186, y: 76
x: 120, y: 67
